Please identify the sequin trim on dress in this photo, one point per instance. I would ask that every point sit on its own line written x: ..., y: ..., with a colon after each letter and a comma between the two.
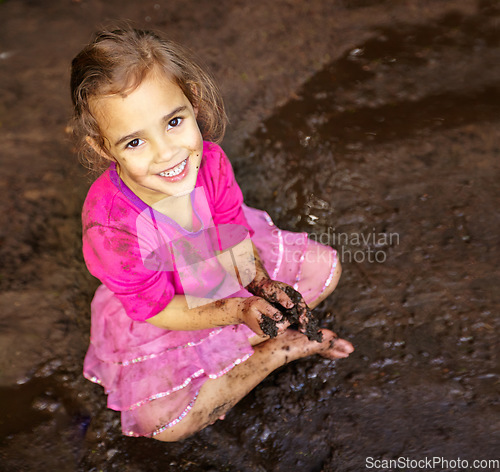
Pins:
x: 169, y: 425
x: 230, y: 366
x: 186, y: 382
x: 280, y: 255
x: 165, y: 394
x: 192, y: 402
x: 93, y: 379
x: 332, y: 271
x: 268, y: 219
x: 179, y: 418
x: 299, y: 272
x: 152, y: 356
x: 280, y: 246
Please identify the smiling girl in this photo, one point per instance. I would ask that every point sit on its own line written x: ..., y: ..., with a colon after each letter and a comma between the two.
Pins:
x: 188, y: 271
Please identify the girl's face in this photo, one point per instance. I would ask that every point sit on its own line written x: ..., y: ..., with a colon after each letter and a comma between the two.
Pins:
x: 153, y: 135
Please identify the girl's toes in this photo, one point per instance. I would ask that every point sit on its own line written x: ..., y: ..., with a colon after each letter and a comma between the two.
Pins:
x: 344, y: 346
x: 335, y: 348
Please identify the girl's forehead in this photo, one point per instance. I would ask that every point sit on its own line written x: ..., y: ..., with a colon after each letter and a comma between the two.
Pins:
x: 156, y: 87
x: 135, y: 80
x: 155, y: 97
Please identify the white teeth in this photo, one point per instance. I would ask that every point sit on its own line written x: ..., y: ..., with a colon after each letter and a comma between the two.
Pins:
x: 175, y: 171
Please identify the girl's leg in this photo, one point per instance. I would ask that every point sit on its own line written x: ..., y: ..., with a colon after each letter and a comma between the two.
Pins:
x: 217, y: 396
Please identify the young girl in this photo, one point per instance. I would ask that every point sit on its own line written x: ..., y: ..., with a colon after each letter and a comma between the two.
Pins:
x: 188, y: 272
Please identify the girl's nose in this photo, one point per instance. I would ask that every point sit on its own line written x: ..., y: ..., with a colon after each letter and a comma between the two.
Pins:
x: 166, y: 150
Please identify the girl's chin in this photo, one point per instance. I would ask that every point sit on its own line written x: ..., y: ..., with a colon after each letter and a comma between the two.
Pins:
x: 181, y: 188
x: 183, y: 192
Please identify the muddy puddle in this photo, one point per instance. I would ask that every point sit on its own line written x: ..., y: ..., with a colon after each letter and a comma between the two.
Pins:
x: 391, y: 155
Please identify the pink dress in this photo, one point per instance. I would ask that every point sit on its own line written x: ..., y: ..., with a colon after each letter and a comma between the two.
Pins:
x: 143, y: 258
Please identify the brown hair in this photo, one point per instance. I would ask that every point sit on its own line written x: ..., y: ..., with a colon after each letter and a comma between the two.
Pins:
x: 117, y: 61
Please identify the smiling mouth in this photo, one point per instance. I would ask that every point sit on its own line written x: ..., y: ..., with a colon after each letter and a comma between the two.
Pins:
x: 174, y: 170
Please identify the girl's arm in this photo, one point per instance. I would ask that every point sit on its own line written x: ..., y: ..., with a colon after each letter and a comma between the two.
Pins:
x: 177, y: 315
x: 229, y: 311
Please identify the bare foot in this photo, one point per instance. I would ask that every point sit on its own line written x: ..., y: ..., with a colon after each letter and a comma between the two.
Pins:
x: 334, y: 347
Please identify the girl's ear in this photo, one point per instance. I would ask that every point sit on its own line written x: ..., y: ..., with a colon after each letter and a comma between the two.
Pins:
x: 97, y: 148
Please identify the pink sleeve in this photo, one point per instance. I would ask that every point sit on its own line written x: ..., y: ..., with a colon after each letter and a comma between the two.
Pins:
x: 228, y: 198
x: 114, y: 257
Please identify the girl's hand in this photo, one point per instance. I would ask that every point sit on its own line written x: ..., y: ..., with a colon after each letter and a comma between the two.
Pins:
x: 279, y: 292
x: 272, y: 291
x: 253, y: 313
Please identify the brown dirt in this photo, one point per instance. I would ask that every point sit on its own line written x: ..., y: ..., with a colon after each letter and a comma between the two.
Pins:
x: 349, y: 117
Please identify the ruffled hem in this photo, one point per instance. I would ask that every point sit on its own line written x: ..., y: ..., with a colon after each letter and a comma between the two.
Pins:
x: 186, y: 382
x: 130, y: 385
x: 187, y: 408
x: 120, y: 340
x: 146, y: 357
x: 174, y: 422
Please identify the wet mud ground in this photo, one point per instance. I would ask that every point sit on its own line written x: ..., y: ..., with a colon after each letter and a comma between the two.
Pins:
x: 373, y: 126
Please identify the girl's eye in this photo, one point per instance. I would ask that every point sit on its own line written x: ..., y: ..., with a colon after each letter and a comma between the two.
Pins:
x: 134, y: 143
x: 174, y: 122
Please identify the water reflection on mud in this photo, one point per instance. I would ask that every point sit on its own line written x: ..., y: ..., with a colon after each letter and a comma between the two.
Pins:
x: 399, y: 137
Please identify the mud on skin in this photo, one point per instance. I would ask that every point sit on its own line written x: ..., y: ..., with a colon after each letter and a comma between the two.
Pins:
x: 292, y: 315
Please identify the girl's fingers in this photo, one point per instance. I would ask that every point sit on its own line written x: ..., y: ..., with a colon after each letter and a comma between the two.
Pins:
x: 276, y: 315
x: 272, y: 312
x: 303, y: 318
x: 284, y: 299
x: 272, y: 288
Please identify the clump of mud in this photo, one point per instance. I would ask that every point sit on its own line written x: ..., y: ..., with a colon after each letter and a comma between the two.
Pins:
x: 293, y: 315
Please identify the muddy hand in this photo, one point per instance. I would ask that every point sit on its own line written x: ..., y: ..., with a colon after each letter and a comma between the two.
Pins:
x: 272, y: 291
x: 256, y: 313
x: 304, y: 313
